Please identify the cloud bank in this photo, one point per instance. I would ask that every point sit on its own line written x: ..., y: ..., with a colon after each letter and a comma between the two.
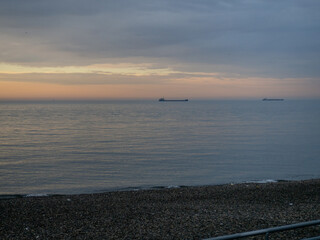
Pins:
x: 266, y: 38
x: 203, y: 44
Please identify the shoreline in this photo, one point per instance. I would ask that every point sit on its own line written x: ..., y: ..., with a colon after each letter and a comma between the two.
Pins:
x: 196, y: 212
x: 143, y: 188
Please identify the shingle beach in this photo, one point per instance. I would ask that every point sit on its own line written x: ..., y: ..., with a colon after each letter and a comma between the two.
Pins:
x: 177, y: 213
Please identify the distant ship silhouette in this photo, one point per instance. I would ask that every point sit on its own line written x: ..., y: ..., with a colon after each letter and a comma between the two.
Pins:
x: 173, y: 100
x: 273, y: 99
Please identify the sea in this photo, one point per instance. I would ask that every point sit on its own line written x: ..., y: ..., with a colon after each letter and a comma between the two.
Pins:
x: 58, y: 147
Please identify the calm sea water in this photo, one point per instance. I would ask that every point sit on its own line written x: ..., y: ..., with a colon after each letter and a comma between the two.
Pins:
x: 79, y: 147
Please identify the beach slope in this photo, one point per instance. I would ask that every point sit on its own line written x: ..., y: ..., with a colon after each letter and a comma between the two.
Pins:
x: 179, y: 213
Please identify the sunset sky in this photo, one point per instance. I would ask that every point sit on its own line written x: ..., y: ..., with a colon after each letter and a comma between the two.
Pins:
x: 146, y: 49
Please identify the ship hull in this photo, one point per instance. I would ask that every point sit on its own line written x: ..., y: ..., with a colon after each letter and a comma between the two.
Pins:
x: 273, y: 99
x: 173, y: 100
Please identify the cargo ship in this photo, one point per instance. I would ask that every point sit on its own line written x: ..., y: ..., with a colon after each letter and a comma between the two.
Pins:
x: 173, y: 100
x: 273, y: 99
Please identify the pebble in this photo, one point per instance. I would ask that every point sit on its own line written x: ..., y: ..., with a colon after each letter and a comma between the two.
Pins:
x: 175, y: 213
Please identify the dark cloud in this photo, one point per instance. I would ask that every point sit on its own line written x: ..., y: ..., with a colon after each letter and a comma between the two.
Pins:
x: 266, y: 38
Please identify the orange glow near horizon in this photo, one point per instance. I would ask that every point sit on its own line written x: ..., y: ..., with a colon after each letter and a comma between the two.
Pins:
x: 139, y: 81
x: 184, y: 88
x: 47, y: 91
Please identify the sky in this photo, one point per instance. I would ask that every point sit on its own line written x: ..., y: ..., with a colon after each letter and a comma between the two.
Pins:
x: 147, y: 49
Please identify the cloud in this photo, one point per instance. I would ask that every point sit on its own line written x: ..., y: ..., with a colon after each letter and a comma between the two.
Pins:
x: 251, y: 38
x: 107, y: 78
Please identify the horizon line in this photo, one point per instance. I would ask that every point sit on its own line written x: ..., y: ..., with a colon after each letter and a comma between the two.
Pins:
x: 141, y: 99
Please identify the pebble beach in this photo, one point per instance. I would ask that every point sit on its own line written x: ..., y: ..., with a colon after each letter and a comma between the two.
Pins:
x: 176, y: 213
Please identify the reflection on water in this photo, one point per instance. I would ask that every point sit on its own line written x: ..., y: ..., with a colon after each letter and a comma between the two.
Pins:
x: 87, y: 147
